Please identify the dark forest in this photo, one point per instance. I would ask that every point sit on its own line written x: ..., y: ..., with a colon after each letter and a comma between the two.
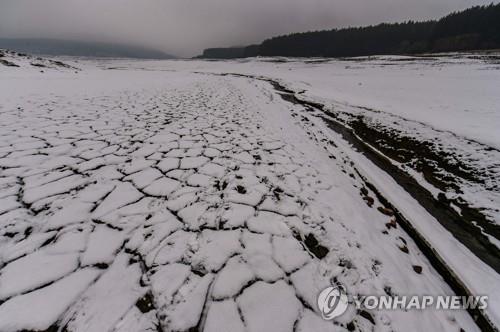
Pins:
x: 476, y: 28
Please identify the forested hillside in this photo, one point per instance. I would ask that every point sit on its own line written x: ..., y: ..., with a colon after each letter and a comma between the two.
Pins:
x: 472, y: 29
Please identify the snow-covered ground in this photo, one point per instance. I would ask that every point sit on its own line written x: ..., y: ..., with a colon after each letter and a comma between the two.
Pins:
x: 157, y: 196
x: 449, y: 102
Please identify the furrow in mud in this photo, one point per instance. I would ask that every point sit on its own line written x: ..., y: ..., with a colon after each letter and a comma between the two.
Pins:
x: 461, y: 226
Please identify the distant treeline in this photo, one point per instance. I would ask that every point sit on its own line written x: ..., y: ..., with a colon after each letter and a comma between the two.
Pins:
x: 231, y: 52
x: 472, y: 29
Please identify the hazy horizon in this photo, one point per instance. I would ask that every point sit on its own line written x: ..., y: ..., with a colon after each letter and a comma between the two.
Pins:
x: 186, y: 27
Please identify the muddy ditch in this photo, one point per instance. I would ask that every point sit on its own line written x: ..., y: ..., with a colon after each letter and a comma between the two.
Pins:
x: 461, y: 226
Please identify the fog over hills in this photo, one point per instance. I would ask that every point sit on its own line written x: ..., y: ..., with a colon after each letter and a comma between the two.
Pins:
x: 81, y: 48
x: 185, y: 28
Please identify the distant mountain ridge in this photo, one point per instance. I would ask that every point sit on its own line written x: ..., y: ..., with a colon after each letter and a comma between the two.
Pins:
x: 476, y: 28
x: 81, y: 48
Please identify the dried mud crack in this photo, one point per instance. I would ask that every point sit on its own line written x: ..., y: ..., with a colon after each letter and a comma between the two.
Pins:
x: 197, y: 204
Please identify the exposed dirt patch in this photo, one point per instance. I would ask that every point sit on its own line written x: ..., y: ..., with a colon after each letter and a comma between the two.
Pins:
x: 8, y: 63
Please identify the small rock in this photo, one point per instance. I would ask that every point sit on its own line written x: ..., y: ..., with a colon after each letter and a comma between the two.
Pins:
x: 145, y: 303
x: 386, y: 211
x: 391, y: 224
x: 417, y: 268
x: 240, y: 189
x: 365, y: 314
x: 404, y: 249
x: 369, y: 200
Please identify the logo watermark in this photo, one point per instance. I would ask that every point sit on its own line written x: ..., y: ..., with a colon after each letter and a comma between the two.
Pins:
x: 333, y: 301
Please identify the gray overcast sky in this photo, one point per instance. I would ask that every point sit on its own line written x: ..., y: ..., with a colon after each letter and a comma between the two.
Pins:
x: 186, y: 27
